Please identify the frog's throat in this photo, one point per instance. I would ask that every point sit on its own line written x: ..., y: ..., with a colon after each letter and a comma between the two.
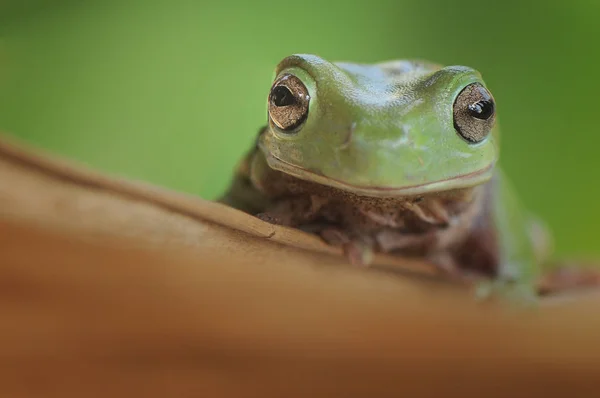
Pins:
x: 458, y: 182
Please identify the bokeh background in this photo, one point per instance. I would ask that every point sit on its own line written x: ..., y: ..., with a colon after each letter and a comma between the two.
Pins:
x: 173, y: 92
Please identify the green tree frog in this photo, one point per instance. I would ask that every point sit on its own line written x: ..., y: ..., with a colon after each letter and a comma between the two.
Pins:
x: 397, y: 157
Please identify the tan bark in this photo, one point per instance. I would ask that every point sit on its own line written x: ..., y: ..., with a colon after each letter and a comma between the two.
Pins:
x: 115, y: 288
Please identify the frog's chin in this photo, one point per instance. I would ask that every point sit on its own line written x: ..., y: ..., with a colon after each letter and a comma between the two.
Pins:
x: 458, y: 182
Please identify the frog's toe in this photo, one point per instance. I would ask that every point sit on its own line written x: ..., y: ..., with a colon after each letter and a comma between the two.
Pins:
x: 359, y: 253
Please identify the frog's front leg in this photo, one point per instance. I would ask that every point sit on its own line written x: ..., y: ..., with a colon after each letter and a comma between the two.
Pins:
x: 293, y: 211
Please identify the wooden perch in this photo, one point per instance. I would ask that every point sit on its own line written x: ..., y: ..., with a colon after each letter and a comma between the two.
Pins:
x: 115, y: 288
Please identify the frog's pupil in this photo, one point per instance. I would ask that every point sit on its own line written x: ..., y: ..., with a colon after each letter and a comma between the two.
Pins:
x: 282, y: 96
x: 482, y: 109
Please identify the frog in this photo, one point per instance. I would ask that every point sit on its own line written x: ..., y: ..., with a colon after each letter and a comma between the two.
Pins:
x: 398, y: 157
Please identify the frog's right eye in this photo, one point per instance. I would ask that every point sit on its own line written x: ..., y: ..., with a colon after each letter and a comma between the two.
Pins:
x: 288, y: 103
x: 474, y: 113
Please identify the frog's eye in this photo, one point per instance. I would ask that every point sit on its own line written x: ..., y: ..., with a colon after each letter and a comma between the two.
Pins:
x: 474, y: 113
x: 288, y: 103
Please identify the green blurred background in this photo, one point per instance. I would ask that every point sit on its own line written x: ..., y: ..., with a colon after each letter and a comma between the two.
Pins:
x: 173, y: 92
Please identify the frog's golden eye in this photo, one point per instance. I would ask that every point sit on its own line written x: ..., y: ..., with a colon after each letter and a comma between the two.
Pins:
x: 288, y: 103
x: 474, y: 113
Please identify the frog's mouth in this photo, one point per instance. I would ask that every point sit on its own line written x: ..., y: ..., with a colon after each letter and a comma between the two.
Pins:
x: 461, y: 181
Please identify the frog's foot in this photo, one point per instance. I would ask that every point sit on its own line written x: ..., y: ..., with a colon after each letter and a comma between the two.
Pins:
x: 485, y: 286
x: 518, y: 292
x: 568, y: 277
x: 357, y: 251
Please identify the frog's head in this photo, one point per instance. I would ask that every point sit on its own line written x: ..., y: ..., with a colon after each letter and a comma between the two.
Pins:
x: 395, y: 128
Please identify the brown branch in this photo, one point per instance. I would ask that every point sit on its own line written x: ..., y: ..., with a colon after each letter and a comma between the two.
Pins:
x: 110, y: 288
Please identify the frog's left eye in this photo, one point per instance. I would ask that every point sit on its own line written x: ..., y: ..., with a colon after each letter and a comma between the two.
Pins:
x: 288, y: 103
x: 474, y: 113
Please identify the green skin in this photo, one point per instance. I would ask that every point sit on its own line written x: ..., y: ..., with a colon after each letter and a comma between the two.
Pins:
x: 377, y: 164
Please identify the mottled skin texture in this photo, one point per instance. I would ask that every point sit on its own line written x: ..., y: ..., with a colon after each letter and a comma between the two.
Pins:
x: 384, y: 158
